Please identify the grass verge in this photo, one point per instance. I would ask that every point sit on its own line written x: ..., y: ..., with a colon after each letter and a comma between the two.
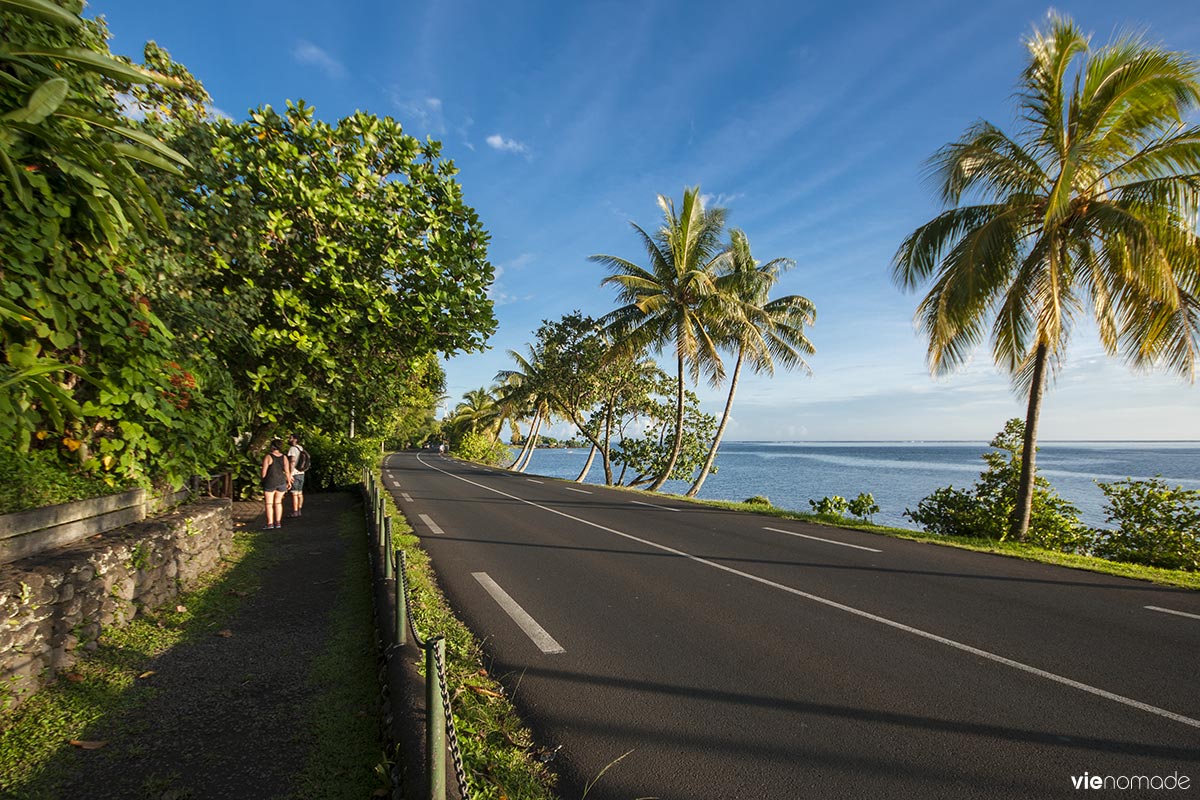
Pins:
x: 1166, y: 577
x: 497, y: 748
x: 344, y: 718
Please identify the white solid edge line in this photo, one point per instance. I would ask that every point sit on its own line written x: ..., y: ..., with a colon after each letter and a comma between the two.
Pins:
x: 966, y: 648
x: 651, y: 505
x: 827, y: 541
x: 1172, y: 611
x: 431, y: 524
x: 531, y: 480
x: 544, y: 641
x: 577, y: 491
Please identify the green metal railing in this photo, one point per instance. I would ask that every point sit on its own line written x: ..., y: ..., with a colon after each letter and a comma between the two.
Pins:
x: 440, y: 734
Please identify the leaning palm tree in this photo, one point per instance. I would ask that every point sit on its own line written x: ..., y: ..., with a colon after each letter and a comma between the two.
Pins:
x: 478, y: 410
x: 765, y: 333
x: 1092, y: 206
x: 675, y: 300
x: 526, y: 391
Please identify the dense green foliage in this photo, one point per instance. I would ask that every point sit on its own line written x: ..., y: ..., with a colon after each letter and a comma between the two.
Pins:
x: 177, y: 289
x: 1089, y: 210
x: 483, y: 449
x: 1154, y: 524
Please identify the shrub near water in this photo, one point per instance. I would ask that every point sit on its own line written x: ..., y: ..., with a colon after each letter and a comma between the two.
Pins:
x: 1155, y: 524
x: 985, y: 510
x: 483, y: 449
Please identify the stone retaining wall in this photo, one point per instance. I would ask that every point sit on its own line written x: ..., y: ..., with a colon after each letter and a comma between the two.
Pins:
x: 58, y: 603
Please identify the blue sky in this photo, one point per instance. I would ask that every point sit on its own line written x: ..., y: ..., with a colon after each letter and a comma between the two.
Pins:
x: 809, y: 122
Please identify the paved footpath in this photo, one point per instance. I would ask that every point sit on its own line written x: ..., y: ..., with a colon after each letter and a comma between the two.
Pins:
x: 228, y: 716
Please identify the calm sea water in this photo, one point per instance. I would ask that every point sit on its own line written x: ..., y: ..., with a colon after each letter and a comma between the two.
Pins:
x: 899, y: 474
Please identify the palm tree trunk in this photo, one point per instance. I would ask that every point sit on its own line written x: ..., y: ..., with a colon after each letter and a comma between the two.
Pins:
x: 1024, y: 508
x: 606, y: 450
x: 677, y: 445
x: 525, y: 447
x: 533, y: 437
x: 712, y: 453
x: 588, y: 465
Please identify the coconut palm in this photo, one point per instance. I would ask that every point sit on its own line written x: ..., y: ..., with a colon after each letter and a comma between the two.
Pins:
x: 479, y: 409
x: 767, y: 331
x: 1091, y: 206
x: 676, y: 299
x: 526, y: 393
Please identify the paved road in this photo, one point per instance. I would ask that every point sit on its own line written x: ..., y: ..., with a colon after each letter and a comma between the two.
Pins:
x: 723, y: 655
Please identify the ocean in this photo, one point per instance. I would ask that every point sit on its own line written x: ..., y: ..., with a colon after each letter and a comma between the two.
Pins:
x: 900, y: 474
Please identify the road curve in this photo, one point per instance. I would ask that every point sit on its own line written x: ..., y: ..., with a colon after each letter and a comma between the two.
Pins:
x: 710, y: 654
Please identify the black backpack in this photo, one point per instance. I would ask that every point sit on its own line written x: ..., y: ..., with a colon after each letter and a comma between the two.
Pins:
x: 303, y: 462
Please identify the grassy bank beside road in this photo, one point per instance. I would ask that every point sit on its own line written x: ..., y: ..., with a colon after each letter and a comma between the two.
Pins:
x: 1029, y: 552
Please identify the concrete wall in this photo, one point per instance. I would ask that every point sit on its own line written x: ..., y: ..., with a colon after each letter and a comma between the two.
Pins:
x: 58, y: 603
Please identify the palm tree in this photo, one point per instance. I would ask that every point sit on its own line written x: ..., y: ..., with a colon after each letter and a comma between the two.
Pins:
x: 768, y: 331
x: 478, y: 409
x: 676, y: 299
x: 1094, y: 204
x: 526, y: 392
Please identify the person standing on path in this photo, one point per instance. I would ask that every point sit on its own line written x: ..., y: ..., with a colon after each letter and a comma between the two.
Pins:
x: 276, y: 479
x: 298, y: 458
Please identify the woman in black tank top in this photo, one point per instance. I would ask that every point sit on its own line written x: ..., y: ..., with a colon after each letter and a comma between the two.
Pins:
x: 276, y: 480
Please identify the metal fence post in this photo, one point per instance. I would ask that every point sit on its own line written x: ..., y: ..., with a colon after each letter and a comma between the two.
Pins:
x: 435, y: 720
x: 401, y: 602
x: 388, y: 552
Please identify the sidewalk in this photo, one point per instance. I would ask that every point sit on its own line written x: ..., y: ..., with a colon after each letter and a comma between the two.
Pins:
x: 234, y: 713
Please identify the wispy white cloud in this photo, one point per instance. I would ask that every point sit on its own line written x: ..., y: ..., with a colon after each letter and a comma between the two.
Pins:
x: 498, y: 142
x: 720, y: 200
x: 425, y: 113
x: 309, y: 53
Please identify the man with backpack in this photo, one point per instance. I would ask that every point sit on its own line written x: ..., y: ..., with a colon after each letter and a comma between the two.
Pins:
x: 301, y: 461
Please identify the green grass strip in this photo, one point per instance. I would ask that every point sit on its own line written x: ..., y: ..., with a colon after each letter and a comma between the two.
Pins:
x: 1029, y: 552
x: 497, y: 747
x: 345, y: 718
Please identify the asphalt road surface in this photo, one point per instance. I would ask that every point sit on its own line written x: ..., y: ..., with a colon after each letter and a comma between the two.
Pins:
x: 699, y: 653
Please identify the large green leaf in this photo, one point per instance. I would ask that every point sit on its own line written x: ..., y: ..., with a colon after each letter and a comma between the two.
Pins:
x: 97, y: 62
x: 15, y: 178
x: 43, y: 10
x: 129, y: 133
x: 145, y: 156
x: 148, y: 198
x: 44, y: 101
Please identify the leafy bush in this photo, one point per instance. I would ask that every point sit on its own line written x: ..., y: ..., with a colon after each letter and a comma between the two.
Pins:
x: 830, y: 506
x: 986, y: 509
x: 864, y: 506
x: 482, y: 449
x: 1155, y: 524
x: 758, y: 500
x: 44, y: 477
x: 338, y: 461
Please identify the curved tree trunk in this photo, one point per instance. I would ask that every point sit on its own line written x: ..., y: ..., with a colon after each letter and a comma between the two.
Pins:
x: 525, y: 447
x: 712, y: 453
x: 677, y: 445
x: 591, y: 457
x: 1024, y: 508
x: 533, y: 437
x: 606, y: 449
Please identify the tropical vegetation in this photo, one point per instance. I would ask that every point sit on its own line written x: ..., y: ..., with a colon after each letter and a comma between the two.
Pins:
x: 224, y: 281
x: 1151, y: 522
x: 1088, y: 209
